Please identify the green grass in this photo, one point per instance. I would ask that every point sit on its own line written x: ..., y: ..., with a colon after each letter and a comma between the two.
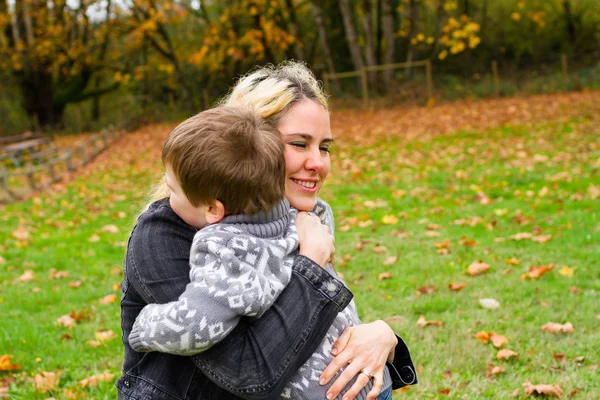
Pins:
x: 494, y: 179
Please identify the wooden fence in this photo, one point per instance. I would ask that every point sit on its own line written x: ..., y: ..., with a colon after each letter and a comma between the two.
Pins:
x: 51, y: 165
x: 363, y: 74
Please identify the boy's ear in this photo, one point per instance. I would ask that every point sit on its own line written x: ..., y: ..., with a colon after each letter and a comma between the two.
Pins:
x: 215, y: 212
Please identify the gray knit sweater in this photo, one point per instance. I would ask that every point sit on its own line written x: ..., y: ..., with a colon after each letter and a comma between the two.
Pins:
x: 238, y: 268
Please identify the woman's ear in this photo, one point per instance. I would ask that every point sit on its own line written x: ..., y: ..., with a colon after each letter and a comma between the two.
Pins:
x: 215, y: 212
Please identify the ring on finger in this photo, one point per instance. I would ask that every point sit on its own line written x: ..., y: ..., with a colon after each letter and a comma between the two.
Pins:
x: 370, y: 375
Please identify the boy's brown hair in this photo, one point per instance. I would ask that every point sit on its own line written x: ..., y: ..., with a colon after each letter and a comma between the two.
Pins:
x: 228, y: 154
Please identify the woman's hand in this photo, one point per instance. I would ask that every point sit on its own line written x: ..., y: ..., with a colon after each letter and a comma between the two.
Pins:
x: 316, y: 240
x: 364, y: 349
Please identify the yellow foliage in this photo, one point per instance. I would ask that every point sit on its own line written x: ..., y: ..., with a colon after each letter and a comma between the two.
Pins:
x: 450, y: 5
x: 443, y: 54
x: 515, y: 16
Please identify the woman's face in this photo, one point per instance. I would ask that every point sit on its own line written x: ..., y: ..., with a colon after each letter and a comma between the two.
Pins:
x: 306, y: 133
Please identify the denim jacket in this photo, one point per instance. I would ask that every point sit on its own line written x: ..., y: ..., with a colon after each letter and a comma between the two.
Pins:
x: 257, y: 358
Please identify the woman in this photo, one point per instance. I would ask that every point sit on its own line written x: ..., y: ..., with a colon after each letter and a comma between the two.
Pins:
x: 259, y: 357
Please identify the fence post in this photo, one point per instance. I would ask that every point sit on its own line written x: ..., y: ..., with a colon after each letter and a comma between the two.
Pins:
x: 30, y: 174
x: 564, y: 68
x: 365, y: 87
x: 104, y: 136
x: 4, y: 181
x: 69, y: 160
x: 83, y: 153
x: 429, y: 80
x: 51, y: 171
x: 496, y: 78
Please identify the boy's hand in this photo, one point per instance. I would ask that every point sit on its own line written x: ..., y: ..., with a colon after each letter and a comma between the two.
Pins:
x: 316, y: 240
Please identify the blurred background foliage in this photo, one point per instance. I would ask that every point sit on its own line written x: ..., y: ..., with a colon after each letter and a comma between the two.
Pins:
x: 80, y: 65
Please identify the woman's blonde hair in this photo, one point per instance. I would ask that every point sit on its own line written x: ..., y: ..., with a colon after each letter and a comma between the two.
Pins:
x: 269, y: 91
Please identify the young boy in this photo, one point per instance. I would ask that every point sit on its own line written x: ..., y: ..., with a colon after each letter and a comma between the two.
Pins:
x: 225, y: 172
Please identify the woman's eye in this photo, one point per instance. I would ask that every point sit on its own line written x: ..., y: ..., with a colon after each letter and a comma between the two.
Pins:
x: 325, y: 149
x: 298, y: 144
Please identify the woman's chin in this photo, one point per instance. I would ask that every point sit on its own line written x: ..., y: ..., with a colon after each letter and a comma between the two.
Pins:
x: 302, y: 204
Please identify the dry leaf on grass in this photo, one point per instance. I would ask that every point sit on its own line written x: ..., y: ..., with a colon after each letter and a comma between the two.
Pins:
x: 426, y: 290
x: 75, y: 284
x: 493, y: 370
x: 566, y: 271
x: 498, y: 340
x: 512, y: 261
x: 490, y: 304
x: 105, y: 335
x: 384, y: 275
x: 505, y: 354
x: 108, y: 299
x: 477, y: 268
x: 390, y: 260
x: 423, y: 323
x: 544, y: 389
x: 67, y: 321
x: 537, y: 271
x: 380, y: 249
x: 6, y: 363
x: 45, y: 381
x: 21, y: 233
x: 54, y: 274
x: 554, y: 327
x: 95, y: 379
x: 389, y: 220
x: 457, y: 286
x: 26, y: 277
x: 483, y: 336
x: 110, y: 228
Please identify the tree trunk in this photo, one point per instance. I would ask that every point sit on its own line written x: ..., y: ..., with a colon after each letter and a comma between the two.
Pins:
x: 351, y: 35
x: 414, y: 25
x: 322, y: 31
x: 293, y: 24
x: 570, y: 23
x: 369, y: 47
x: 389, y: 34
x: 439, y: 16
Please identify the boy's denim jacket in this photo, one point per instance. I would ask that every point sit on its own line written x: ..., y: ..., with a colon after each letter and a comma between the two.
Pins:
x: 258, y: 357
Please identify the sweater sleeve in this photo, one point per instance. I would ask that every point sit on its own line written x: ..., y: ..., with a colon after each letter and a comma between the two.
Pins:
x: 232, y: 275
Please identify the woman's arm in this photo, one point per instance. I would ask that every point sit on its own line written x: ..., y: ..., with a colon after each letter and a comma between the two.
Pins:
x: 260, y: 355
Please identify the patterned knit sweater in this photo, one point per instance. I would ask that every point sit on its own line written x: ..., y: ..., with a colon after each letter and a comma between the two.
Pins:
x: 238, y: 268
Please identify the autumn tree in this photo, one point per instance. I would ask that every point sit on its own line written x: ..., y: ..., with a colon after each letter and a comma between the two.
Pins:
x: 53, y: 51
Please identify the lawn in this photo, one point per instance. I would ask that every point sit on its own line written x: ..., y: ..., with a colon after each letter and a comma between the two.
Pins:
x: 414, y: 213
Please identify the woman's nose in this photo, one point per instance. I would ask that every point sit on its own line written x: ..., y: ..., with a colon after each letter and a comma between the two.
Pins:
x: 315, y: 160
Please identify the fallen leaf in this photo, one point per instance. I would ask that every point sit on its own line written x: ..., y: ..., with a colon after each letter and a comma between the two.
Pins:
x: 364, y: 224
x: 105, y: 335
x: 467, y: 242
x: 390, y: 260
x: 493, y: 370
x: 45, y: 381
x: 389, y: 220
x: 444, y: 392
x: 26, y: 277
x: 548, y: 390
x: 426, y: 289
x: 93, y: 343
x: 94, y: 238
x: 512, y: 261
x: 554, y: 327
x: 423, y: 323
x: 558, y: 356
x: 384, y: 275
x: 380, y: 249
x: 54, y: 274
x: 110, y: 228
x: 566, y: 271
x: 67, y: 321
x: 432, y: 234
x: 490, y: 304
x: 2, y: 260
x: 457, y: 286
x: 21, y: 233
x: 7, y: 365
x: 95, y: 379
x: 536, y: 271
x: 75, y: 284
x: 498, y: 340
x: 116, y: 271
x: 521, y: 236
x: 483, y: 336
x: 108, y: 299
x: 505, y: 354
x: 477, y: 268
x: 396, y: 319
x: 541, y: 238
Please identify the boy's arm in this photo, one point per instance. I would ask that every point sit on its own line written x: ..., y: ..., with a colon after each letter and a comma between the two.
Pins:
x: 223, y: 288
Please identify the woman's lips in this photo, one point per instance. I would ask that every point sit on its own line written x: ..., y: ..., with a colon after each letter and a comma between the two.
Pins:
x: 308, y: 185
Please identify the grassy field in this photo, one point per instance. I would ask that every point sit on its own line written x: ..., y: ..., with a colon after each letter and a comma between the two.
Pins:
x: 412, y: 214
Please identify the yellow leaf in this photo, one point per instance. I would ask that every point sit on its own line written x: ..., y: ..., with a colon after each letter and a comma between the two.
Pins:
x: 108, y: 299
x: 105, y: 335
x: 566, y: 271
x: 505, y: 354
x: 95, y: 379
x: 7, y: 365
x: 389, y: 220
